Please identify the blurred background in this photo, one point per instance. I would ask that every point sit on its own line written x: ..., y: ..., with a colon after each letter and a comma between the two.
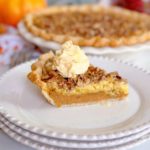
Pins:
x: 14, y: 49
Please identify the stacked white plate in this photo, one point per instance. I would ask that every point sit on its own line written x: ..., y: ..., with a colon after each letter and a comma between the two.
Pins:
x: 29, y: 119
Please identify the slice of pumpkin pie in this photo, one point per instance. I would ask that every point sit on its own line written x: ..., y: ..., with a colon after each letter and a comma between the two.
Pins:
x: 67, y: 78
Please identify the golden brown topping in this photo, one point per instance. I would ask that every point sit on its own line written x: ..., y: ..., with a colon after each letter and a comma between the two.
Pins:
x: 87, y: 24
x: 93, y: 75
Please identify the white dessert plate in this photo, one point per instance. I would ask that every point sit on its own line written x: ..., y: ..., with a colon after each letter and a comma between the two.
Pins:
x: 23, y: 104
x: 73, y: 144
x: 41, y: 146
x: 47, y: 45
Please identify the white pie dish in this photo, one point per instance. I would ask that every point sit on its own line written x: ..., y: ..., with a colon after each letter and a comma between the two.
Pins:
x: 51, y: 45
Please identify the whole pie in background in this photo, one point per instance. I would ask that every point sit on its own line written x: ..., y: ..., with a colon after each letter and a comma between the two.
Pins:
x: 90, y: 25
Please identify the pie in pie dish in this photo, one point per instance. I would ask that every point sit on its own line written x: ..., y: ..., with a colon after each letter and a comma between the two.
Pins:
x: 89, y: 25
x: 67, y: 78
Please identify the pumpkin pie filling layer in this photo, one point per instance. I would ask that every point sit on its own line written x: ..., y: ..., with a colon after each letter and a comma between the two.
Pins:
x: 90, y: 25
x: 88, y: 98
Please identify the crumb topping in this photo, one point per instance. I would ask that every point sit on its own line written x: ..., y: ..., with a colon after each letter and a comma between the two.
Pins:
x: 89, y: 24
x: 92, y: 75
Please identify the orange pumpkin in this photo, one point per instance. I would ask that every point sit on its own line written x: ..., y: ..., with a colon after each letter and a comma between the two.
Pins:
x: 11, y: 11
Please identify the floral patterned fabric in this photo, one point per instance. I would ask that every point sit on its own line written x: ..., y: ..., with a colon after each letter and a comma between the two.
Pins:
x: 12, y: 44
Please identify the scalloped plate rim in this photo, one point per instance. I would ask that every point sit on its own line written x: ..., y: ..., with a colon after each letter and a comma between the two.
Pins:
x: 74, y: 136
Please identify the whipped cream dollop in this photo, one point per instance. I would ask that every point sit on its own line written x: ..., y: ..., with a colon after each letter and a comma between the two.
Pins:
x: 70, y: 61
